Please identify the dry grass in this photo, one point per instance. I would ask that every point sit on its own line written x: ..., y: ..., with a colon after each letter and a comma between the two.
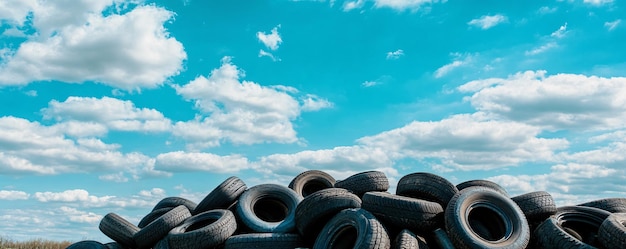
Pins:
x: 33, y: 244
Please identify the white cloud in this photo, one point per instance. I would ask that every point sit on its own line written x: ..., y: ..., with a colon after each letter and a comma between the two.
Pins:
x: 467, y: 142
x: 13, y: 195
x: 531, y: 97
x: 542, y: 49
x: 348, y: 6
x: 263, y: 53
x: 370, y: 83
x: 180, y: 161
x: 612, y: 25
x: 117, y: 177
x: 547, y: 10
x: 79, y: 216
x: 74, y: 195
x: 395, y: 54
x: 312, y: 102
x: 153, y: 193
x: 242, y: 112
x: 487, y: 22
x: 271, y: 40
x: 401, y: 5
x: 15, y: 11
x: 83, y: 45
x: 113, y: 113
x: 459, y: 61
x: 598, y: 2
x: 560, y: 33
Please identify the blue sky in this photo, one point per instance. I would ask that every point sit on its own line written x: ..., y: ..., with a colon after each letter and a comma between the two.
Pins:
x: 112, y: 105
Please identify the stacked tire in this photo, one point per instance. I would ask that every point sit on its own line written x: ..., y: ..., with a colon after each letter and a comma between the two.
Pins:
x: 317, y: 211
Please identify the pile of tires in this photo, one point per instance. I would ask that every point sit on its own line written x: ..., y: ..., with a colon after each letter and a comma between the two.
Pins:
x: 315, y: 211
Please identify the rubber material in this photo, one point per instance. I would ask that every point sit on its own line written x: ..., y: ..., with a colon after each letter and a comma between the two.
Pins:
x: 311, y: 181
x: 224, y: 195
x: 353, y: 228
x: 203, y: 230
x: 364, y: 182
x: 118, y: 229
x: 482, y: 183
x: 268, y: 208
x: 571, y: 227
x: 613, y: 205
x: 612, y: 232
x: 408, y: 240
x: 172, y: 202
x: 537, y: 206
x: 264, y: 241
x: 159, y: 228
x: 404, y: 212
x: 426, y: 186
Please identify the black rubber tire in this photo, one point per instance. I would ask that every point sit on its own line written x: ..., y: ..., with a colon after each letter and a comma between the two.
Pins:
x: 311, y: 181
x: 115, y: 245
x: 583, y: 221
x: 404, y: 212
x: 118, y: 229
x: 264, y: 241
x: 157, y: 229
x: 364, y: 182
x: 613, y: 205
x: 612, y: 232
x: 164, y: 243
x: 172, y: 202
x: 482, y: 183
x: 203, y: 230
x: 408, y: 240
x: 441, y: 239
x: 480, y: 217
x: 87, y: 244
x: 426, y: 186
x: 537, y: 206
x: 353, y: 228
x: 315, y: 210
x: 268, y: 208
x: 223, y: 196
x: 153, y: 216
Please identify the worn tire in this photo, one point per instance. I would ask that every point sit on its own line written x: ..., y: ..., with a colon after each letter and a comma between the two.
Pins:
x: 87, y: 244
x: 172, y: 202
x: 118, y: 229
x: 613, y: 205
x: 612, y: 232
x: 311, y: 181
x: 353, y: 228
x: 264, y: 241
x: 268, y: 208
x: 571, y: 227
x: 480, y: 217
x: 364, y: 182
x: 203, y: 230
x: 114, y: 245
x: 441, y: 238
x: 404, y: 212
x: 482, y: 183
x: 537, y: 206
x: 408, y: 240
x: 222, y: 196
x: 153, y: 215
x: 159, y: 228
x: 427, y: 186
x: 315, y: 210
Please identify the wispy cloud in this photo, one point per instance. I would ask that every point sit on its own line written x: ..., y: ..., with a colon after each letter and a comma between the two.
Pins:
x: 546, y: 10
x: 560, y: 33
x: 368, y: 83
x: 612, y: 25
x: 395, y: 54
x: 348, y: 6
x: 542, y: 48
x: 271, y: 40
x: 598, y: 2
x: 487, y: 22
x: 263, y: 53
x: 460, y: 60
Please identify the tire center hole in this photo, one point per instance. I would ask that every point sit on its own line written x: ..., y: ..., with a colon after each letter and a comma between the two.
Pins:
x: 488, y: 224
x: 581, y: 230
x: 312, y: 187
x: 344, y: 238
x: 200, y: 224
x: 271, y: 210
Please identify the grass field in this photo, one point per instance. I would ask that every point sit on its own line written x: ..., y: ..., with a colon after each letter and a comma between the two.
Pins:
x: 33, y: 244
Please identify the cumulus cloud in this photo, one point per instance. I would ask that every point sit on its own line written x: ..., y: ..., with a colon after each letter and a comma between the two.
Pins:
x: 467, y: 142
x: 401, y: 5
x: 547, y: 10
x: 112, y: 113
x: 73, y: 195
x: 242, y: 112
x: 78, y: 44
x: 612, y: 25
x: 487, y: 22
x: 271, y: 40
x: 13, y: 195
x: 551, y: 102
x: 348, y: 6
x: 598, y: 2
x: 80, y: 216
x: 395, y: 54
x: 180, y: 161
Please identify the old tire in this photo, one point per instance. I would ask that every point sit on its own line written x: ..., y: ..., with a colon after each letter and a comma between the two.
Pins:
x: 404, y: 212
x: 118, y: 229
x: 159, y: 228
x: 426, y: 186
x: 315, y: 210
x: 571, y: 227
x: 311, y: 181
x: 353, y: 228
x: 536, y: 206
x: 482, y: 183
x: 87, y: 244
x: 613, y: 205
x: 222, y: 196
x: 408, y: 240
x: 264, y: 241
x: 364, y: 182
x: 172, y: 202
x: 268, y: 208
x: 480, y: 217
x: 612, y: 232
x: 203, y: 230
